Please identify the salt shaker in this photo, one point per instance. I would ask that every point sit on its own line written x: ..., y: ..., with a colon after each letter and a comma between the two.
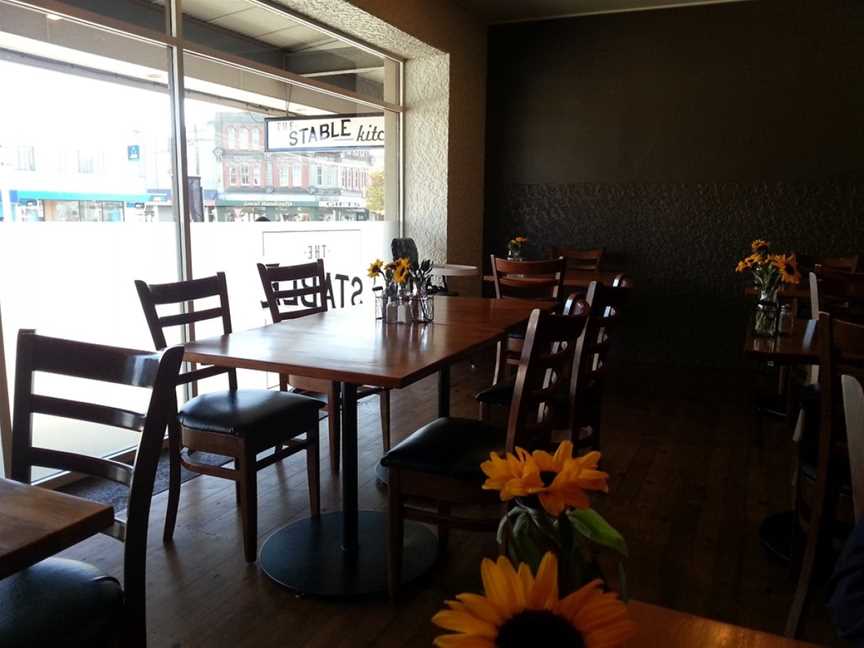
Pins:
x: 786, y: 320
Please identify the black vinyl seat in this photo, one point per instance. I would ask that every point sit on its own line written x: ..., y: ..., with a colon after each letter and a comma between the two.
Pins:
x: 452, y: 447
x: 247, y: 411
x: 58, y: 602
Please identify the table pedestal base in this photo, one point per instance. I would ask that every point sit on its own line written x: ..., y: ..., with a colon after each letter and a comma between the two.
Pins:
x: 307, y: 556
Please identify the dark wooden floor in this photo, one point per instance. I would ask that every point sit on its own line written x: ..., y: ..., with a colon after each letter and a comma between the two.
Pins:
x: 688, y: 490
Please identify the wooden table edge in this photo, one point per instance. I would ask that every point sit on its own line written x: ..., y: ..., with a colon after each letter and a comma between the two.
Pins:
x: 47, y: 546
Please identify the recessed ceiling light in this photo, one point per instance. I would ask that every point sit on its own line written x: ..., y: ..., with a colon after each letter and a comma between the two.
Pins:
x: 53, y: 17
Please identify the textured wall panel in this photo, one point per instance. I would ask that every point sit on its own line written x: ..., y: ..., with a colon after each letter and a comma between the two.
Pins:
x: 680, y: 242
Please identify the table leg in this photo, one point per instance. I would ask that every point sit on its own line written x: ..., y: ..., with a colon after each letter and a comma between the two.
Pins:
x: 344, y: 553
x: 350, y: 494
x: 444, y: 391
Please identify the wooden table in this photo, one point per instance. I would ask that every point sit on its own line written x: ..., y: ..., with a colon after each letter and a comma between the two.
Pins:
x: 576, y: 279
x: 664, y: 628
x: 799, y: 346
x: 342, y: 554
x: 36, y: 523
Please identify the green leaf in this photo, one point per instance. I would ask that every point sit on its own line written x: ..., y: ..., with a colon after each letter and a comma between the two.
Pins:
x: 592, y: 525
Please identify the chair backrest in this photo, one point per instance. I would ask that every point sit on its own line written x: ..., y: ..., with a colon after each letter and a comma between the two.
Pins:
x: 185, y: 293
x: 840, y: 293
x: 405, y: 248
x: 841, y: 353
x: 154, y: 371
x: 605, y: 304
x: 853, y: 406
x: 542, y: 379
x: 842, y: 263
x: 528, y: 279
x: 307, y: 294
x: 580, y: 259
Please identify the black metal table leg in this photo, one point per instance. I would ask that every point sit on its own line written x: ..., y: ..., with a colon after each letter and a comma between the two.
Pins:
x: 343, y: 553
x: 444, y: 391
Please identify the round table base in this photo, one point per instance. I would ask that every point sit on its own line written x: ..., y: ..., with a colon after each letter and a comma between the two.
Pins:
x: 307, y: 556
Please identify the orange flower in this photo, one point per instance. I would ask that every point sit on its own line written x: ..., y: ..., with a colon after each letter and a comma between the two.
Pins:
x: 759, y: 246
x: 519, y: 609
x: 559, y: 481
x: 788, y: 267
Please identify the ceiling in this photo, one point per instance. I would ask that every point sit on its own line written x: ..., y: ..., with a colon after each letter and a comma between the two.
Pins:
x: 518, y: 10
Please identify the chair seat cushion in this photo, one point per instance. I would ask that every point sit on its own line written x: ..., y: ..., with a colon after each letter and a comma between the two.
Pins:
x: 249, y: 411
x: 58, y: 602
x: 500, y: 394
x: 453, y: 447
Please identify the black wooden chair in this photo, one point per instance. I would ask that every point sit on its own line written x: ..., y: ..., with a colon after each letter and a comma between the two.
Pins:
x: 307, y: 296
x: 841, y: 353
x: 237, y: 423
x: 585, y: 398
x: 65, y: 602
x: 438, y: 466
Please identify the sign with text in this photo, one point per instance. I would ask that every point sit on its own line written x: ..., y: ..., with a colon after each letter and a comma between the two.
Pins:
x: 330, y: 133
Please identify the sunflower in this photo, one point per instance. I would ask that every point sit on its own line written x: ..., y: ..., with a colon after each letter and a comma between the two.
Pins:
x: 759, y: 246
x: 788, y: 267
x: 559, y: 481
x: 375, y: 268
x: 519, y: 610
x: 401, y: 271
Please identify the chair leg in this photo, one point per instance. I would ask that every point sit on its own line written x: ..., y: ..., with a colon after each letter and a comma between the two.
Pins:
x: 384, y: 407
x: 500, y: 362
x: 484, y: 412
x: 395, y: 533
x: 248, y: 483
x: 334, y: 426
x: 173, y: 481
x: 443, y: 529
x: 283, y: 382
x: 313, y: 468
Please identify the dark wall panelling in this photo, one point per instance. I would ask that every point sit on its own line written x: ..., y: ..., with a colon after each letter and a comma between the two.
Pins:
x: 673, y: 138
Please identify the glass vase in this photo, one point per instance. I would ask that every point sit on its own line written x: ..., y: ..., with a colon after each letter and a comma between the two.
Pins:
x: 767, y: 314
x: 422, y: 307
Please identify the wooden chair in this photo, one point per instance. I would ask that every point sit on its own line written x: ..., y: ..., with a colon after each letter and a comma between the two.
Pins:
x: 307, y: 296
x: 853, y: 407
x: 841, y: 353
x: 843, y: 263
x: 585, y: 399
x: 237, y: 423
x: 839, y: 293
x: 580, y: 259
x: 66, y: 602
x: 534, y: 280
x: 439, y: 464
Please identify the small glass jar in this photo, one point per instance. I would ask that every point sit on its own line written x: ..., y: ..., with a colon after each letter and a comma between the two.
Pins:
x: 787, y: 320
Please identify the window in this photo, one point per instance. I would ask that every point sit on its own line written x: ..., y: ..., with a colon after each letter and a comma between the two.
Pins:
x: 244, y: 138
x: 26, y: 158
x: 297, y: 176
x: 256, y: 175
x: 232, y: 137
x: 86, y: 162
x: 284, y: 176
x: 232, y: 176
x: 256, y: 138
x: 244, y: 174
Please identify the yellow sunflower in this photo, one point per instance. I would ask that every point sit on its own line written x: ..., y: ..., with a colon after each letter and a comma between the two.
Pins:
x: 759, y: 246
x: 520, y: 610
x: 401, y: 270
x: 559, y: 481
x: 788, y: 267
x: 375, y: 268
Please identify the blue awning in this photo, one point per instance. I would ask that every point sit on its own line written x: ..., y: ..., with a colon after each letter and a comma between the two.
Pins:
x: 17, y: 196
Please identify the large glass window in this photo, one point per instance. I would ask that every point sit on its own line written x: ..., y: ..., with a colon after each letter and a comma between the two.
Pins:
x: 292, y: 145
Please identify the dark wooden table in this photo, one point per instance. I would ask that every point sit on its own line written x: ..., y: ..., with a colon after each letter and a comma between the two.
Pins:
x: 342, y: 554
x: 664, y: 628
x: 36, y: 523
x: 799, y: 346
x: 577, y: 279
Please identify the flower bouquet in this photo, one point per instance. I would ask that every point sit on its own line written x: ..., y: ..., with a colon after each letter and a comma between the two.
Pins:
x: 392, y: 294
x: 556, y: 595
x: 769, y: 272
x: 516, y: 247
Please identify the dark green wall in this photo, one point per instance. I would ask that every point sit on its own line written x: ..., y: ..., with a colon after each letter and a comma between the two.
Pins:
x: 673, y: 138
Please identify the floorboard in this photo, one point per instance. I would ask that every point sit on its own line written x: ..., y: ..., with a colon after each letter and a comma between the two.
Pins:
x: 689, y: 486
